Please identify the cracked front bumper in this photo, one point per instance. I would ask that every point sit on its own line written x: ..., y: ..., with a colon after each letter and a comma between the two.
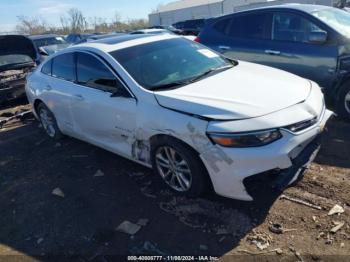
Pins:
x: 290, y: 154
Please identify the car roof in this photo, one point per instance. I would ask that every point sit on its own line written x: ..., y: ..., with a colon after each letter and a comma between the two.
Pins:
x: 124, y: 41
x: 36, y: 37
x: 308, y: 8
x: 151, y: 30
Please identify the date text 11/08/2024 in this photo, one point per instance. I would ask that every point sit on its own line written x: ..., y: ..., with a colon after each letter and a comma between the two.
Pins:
x: 172, y: 258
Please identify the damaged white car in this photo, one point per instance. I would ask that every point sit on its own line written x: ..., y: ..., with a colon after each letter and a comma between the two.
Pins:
x: 200, y: 120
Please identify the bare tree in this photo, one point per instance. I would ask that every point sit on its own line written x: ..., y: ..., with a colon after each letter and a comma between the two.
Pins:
x: 100, y: 24
x: 74, y: 21
x: 31, y: 25
x: 64, y: 25
x: 117, y: 24
x: 135, y: 24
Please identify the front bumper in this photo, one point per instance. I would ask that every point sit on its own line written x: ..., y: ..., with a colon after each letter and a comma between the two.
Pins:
x: 12, y: 90
x: 291, y: 154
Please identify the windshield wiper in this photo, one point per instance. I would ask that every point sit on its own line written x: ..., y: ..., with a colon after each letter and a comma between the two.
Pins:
x: 190, y: 81
x: 169, y: 85
x: 210, y: 71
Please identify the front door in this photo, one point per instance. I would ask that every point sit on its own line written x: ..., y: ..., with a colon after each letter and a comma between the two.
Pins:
x: 292, y: 51
x: 99, y: 117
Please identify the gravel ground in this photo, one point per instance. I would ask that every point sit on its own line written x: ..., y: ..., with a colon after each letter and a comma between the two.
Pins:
x: 97, y: 191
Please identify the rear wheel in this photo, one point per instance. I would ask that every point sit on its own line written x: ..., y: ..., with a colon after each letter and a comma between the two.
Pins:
x: 343, y: 104
x: 180, y: 167
x: 48, y: 121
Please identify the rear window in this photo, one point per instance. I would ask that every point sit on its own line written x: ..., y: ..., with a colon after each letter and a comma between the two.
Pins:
x: 64, y: 67
x: 257, y: 26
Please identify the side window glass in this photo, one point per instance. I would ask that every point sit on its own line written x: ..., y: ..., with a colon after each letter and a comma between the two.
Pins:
x: 222, y: 25
x: 292, y: 28
x: 63, y: 67
x: 255, y: 26
x: 93, y: 73
x: 46, y: 69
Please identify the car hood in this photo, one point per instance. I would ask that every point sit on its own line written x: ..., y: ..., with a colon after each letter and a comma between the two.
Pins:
x: 16, y: 45
x: 245, y: 91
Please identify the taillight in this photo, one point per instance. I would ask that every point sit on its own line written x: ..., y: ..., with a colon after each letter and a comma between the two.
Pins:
x: 198, y: 40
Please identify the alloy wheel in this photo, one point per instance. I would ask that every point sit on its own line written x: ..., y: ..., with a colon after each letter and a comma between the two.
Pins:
x: 48, y: 122
x: 347, y: 102
x: 174, y: 169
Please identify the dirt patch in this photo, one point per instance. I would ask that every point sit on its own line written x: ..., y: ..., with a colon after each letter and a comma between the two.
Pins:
x: 83, y: 223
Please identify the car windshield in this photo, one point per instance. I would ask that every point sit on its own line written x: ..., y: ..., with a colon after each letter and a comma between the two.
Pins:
x: 336, y: 18
x: 49, y: 41
x: 14, y: 59
x: 169, y: 63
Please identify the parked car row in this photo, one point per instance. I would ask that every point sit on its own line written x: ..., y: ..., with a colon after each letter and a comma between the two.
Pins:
x: 43, y: 46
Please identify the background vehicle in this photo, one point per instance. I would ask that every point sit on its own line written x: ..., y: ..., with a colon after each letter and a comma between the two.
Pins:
x: 193, y: 115
x: 151, y: 32
x: 48, y: 44
x: 17, y: 60
x: 169, y: 27
x: 190, y: 27
x: 98, y: 37
x: 160, y: 32
x: 77, y: 38
x: 308, y: 40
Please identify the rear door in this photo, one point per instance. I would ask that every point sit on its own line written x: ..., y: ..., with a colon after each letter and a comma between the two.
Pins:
x: 243, y: 36
x: 57, y: 87
x: 291, y: 50
x: 99, y: 117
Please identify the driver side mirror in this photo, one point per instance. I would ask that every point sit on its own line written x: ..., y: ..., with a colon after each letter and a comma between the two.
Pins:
x: 318, y: 37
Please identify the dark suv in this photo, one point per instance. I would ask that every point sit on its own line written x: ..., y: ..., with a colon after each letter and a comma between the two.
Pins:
x: 308, y: 40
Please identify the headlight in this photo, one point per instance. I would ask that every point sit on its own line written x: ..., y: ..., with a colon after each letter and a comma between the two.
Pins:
x: 255, y: 139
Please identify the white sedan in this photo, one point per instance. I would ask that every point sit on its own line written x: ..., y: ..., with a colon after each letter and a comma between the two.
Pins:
x: 199, y: 120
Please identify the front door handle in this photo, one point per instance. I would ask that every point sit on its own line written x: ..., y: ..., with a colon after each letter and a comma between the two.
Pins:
x: 79, y: 97
x: 272, y: 52
x: 224, y: 47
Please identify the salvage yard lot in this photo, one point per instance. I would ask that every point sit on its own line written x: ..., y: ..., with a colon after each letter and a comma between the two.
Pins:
x: 101, y: 190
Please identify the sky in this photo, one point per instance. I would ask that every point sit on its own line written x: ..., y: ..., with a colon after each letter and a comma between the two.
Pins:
x: 51, y: 10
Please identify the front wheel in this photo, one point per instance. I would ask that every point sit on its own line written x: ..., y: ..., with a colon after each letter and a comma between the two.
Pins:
x: 343, y: 104
x: 48, y: 121
x: 180, y: 167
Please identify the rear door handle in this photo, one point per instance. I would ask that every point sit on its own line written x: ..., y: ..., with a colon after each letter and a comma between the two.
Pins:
x: 224, y: 47
x: 272, y: 52
x: 47, y: 88
x: 79, y: 97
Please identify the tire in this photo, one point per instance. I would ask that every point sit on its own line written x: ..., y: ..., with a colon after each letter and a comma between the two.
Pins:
x: 343, y: 103
x: 198, y: 178
x: 48, y: 121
